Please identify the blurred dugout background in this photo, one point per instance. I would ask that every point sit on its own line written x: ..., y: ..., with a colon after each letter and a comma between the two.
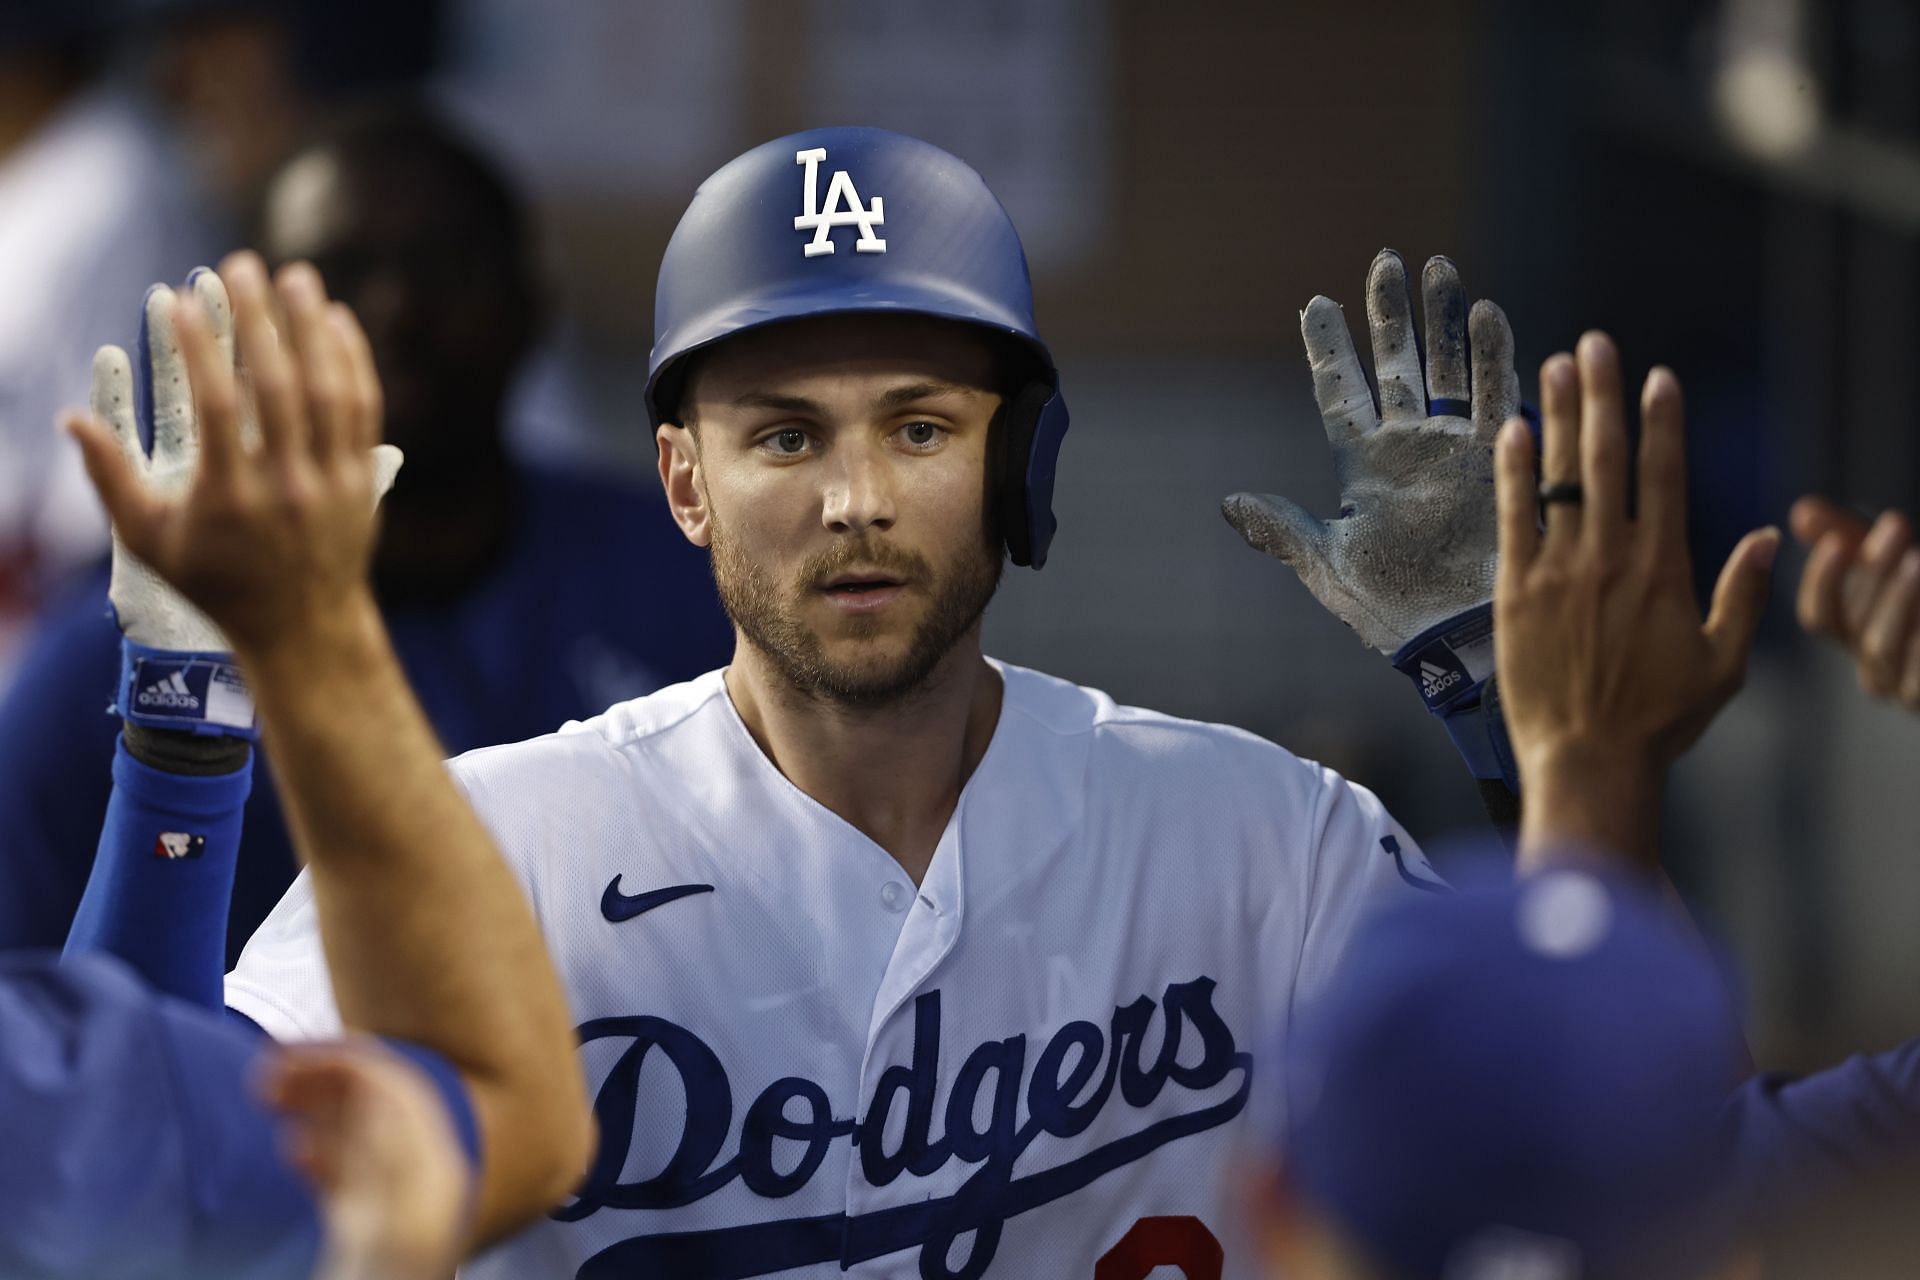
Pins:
x: 1732, y: 188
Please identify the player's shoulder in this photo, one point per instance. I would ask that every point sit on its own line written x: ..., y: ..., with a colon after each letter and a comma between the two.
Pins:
x: 1126, y: 741
x: 664, y: 713
x: 612, y: 740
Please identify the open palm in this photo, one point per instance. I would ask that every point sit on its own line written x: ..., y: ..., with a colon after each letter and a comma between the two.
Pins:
x: 1415, y: 541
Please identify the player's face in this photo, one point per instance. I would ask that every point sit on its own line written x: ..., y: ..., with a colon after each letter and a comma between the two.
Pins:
x: 839, y: 473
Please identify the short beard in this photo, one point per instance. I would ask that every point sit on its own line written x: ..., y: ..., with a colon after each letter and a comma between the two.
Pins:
x: 770, y: 619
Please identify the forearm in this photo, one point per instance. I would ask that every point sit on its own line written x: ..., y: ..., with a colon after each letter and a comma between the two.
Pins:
x: 1595, y: 802
x: 162, y: 878
x: 389, y: 842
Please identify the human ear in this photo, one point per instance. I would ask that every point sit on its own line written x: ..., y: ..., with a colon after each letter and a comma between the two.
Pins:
x: 680, y: 477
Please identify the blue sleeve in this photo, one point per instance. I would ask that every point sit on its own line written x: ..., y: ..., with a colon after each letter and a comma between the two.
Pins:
x: 57, y: 740
x: 135, y: 1147
x: 163, y: 877
x: 57, y: 731
x: 1801, y: 1137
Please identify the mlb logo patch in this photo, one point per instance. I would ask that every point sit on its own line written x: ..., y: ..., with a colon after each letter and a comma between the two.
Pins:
x: 173, y: 845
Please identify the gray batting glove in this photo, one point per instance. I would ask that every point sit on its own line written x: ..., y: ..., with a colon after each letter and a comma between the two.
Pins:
x: 176, y: 667
x: 151, y: 613
x: 1415, y: 542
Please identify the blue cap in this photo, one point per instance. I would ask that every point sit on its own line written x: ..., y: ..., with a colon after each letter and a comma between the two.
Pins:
x: 1525, y: 1079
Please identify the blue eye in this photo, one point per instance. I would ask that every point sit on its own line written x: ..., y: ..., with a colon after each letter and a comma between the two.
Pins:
x: 921, y: 432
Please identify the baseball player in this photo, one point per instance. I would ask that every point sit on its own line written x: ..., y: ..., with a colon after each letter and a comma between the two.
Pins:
x: 892, y: 959
x: 136, y: 1144
x: 886, y: 957
x: 1608, y: 673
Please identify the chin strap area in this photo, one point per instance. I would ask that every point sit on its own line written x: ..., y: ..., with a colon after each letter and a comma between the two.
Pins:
x: 1452, y: 665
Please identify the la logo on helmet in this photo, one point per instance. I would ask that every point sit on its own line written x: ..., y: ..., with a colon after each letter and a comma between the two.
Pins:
x: 843, y: 209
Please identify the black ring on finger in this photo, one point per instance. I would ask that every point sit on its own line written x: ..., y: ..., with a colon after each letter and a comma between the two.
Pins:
x: 1571, y: 494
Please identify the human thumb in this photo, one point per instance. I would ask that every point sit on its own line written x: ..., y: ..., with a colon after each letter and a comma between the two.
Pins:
x: 1739, y: 598
x: 1278, y: 526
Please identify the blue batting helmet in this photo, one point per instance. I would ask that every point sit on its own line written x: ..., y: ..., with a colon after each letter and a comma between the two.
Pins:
x: 833, y: 221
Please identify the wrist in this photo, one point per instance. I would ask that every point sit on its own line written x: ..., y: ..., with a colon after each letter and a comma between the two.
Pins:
x: 187, y: 754
x: 196, y: 692
x: 345, y: 637
x: 1586, y: 798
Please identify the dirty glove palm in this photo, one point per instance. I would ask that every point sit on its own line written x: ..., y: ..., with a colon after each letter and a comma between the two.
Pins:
x: 1414, y: 543
x: 1409, y: 561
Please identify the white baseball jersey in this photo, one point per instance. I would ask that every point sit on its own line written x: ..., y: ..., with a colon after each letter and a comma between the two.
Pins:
x: 1036, y: 1063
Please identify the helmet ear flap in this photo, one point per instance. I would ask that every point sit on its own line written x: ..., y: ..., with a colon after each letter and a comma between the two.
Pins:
x: 1013, y: 431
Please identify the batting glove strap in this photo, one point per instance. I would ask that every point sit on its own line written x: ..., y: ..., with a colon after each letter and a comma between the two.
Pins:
x: 184, y: 691
x: 1452, y: 666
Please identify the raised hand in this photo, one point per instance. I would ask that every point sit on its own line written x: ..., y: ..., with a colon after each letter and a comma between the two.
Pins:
x: 1607, y: 670
x: 265, y: 531
x: 1414, y: 542
x: 1861, y: 586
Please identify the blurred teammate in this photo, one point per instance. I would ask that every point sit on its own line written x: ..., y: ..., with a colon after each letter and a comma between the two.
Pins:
x: 1859, y: 588
x: 1529, y: 1081
x: 517, y: 597
x: 1541, y: 1081
x: 139, y: 1136
x: 888, y: 958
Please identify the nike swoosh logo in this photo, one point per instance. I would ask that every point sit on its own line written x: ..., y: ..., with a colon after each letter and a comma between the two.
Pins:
x: 617, y: 906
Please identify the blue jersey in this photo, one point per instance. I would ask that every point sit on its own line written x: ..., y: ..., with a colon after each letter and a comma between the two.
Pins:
x: 134, y: 1145
x: 599, y: 598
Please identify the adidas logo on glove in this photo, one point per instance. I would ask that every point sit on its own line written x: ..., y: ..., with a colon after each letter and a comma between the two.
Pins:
x: 170, y: 693
x: 1435, y: 680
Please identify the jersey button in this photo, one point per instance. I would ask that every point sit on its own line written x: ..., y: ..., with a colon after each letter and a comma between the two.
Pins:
x: 893, y: 895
